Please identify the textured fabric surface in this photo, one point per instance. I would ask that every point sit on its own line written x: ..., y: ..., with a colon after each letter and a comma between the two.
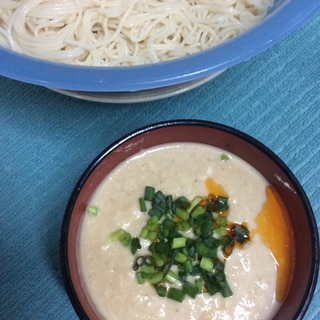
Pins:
x: 47, y: 140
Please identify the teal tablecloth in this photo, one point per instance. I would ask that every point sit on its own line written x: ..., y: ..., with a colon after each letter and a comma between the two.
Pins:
x: 47, y: 140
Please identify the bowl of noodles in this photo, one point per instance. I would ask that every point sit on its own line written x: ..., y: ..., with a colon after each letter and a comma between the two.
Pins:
x: 146, y: 47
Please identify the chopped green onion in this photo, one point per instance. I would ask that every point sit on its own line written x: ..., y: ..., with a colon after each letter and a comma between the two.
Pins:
x: 206, y: 228
x: 161, y: 290
x: 218, y: 266
x: 241, y: 233
x: 178, y: 242
x: 198, y: 211
x: 152, y: 235
x: 157, y: 277
x: 160, y: 199
x: 168, y: 223
x: 206, y: 264
x: 225, y: 289
x: 115, y: 235
x: 182, y: 214
x: 144, y: 233
x: 181, y: 258
x: 219, y: 232
x: 176, y: 294
x: 182, y: 276
x: 170, y: 262
x: 149, y: 260
x: 187, y: 266
x: 163, y: 247
x: 201, y: 248
x: 135, y: 245
x: 147, y: 275
x: 199, y: 285
x: 222, y: 221
x: 147, y: 269
x: 156, y: 211
x: 92, y: 210
x: 139, y: 277
x: 190, y: 246
x: 184, y: 226
x: 183, y: 203
x: 138, y: 263
x: 142, y: 205
x: 152, y: 223
x: 149, y: 193
x: 212, y: 288
x: 215, y: 215
x: 194, y: 203
x: 223, y: 203
x: 172, y: 277
x: 224, y: 157
x: 159, y: 261
x: 189, y: 289
x: 125, y: 239
x: 196, y: 270
x: 169, y: 201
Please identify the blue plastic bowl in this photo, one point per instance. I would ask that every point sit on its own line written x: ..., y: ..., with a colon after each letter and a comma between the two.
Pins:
x: 285, y: 17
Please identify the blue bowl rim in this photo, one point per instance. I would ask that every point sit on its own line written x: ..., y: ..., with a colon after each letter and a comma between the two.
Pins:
x: 284, y: 19
x: 312, y: 282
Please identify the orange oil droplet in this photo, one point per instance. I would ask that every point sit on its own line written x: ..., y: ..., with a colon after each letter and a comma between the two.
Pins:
x: 275, y: 231
x: 215, y: 188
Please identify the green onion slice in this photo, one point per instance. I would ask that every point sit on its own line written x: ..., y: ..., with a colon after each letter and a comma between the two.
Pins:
x: 92, y: 210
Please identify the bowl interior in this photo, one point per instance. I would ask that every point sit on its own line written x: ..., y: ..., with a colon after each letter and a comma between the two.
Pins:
x: 268, y: 164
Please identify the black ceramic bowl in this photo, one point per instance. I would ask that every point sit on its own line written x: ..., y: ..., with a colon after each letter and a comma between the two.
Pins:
x: 265, y: 161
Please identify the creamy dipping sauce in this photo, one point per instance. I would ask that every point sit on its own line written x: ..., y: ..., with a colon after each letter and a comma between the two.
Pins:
x: 183, y: 169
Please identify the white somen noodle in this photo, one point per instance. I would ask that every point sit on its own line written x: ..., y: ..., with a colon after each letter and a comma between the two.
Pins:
x: 123, y: 32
